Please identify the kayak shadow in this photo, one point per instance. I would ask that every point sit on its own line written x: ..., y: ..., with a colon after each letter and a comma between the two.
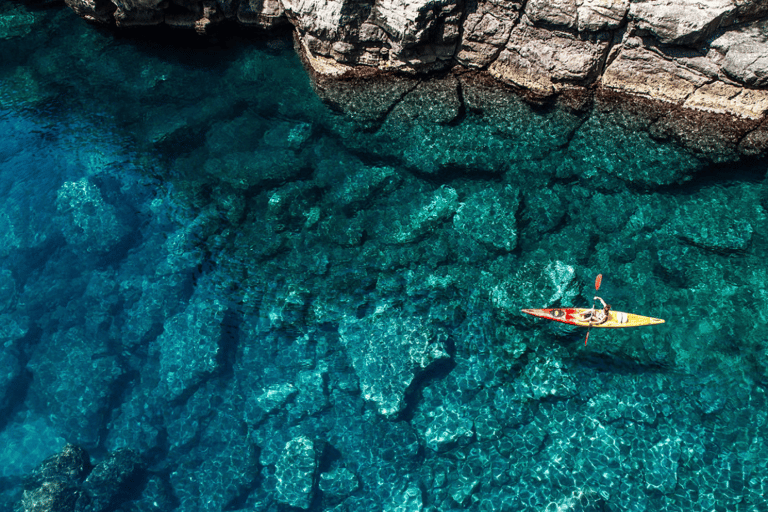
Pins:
x: 616, y: 363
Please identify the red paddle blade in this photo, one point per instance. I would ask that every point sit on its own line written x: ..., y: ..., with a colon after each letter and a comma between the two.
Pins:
x: 598, y: 281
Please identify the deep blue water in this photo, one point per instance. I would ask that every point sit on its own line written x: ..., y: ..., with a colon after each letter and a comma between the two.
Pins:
x: 275, y: 303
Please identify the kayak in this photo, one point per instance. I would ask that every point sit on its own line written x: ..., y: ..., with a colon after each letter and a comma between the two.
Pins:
x: 616, y: 319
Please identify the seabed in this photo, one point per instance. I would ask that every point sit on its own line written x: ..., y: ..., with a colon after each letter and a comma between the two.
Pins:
x: 245, y: 300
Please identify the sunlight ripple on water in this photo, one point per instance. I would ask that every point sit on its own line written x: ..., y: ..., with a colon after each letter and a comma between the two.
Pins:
x: 269, y: 302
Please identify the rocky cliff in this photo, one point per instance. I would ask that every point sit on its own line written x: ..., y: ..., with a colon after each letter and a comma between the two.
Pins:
x: 707, y: 55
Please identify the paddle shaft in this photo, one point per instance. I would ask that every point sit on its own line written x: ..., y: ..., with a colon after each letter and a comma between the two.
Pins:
x: 598, y: 281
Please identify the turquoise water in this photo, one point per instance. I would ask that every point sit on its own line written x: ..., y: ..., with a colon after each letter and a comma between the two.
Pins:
x: 275, y: 303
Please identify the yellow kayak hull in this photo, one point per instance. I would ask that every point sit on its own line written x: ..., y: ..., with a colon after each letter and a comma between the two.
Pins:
x: 616, y: 319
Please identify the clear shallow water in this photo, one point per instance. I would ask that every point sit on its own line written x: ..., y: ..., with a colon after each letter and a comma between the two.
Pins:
x: 205, y: 264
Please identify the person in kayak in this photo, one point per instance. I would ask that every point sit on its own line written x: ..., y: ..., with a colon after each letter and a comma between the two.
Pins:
x: 596, y: 317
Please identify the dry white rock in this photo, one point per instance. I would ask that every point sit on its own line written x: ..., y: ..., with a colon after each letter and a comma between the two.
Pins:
x: 680, y: 22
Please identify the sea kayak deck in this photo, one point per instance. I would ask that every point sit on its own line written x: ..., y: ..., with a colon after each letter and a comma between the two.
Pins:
x: 572, y: 316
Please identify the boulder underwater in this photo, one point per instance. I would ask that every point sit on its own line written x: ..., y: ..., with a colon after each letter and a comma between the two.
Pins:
x: 69, y: 482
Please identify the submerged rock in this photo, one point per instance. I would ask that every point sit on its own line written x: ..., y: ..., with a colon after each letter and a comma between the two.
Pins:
x: 312, y: 395
x: 156, y: 496
x: 422, y: 217
x: 366, y: 99
x: 534, y: 285
x: 73, y: 378
x: 408, y: 500
x: 358, y: 188
x: 89, y: 222
x: 50, y: 497
x: 213, y: 458
x: 432, y: 101
x: 662, y: 464
x: 67, y: 482
x: 296, y: 470
x: 447, y: 428
x: 189, y: 348
x: 338, y: 483
x: 70, y: 468
x: 112, y: 480
x: 728, y: 227
x: 15, y: 21
x: 581, y: 500
x: 272, y: 398
x: 488, y: 216
x: 10, y: 369
x: 544, y: 378
x: 388, y: 349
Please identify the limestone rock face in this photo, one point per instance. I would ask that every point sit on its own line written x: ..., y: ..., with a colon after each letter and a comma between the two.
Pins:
x: 92, y: 10
x: 261, y: 13
x: 553, y: 12
x: 743, y: 102
x: 709, y: 55
x: 138, y: 12
x: 675, y: 22
x: 641, y: 71
x: 388, y: 34
x: 744, y: 54
x: 486, y: 30
x: 594, y: 15
x: 541, y: 60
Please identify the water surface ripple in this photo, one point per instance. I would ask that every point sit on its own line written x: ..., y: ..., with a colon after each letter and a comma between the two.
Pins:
x: 272, y: 303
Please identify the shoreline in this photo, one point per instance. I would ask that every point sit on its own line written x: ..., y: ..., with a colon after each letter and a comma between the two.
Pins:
x: 695, y: 82
x: 706, y: 132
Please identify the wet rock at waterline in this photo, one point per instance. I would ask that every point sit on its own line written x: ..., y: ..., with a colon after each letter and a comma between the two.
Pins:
x: 709, y: 57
